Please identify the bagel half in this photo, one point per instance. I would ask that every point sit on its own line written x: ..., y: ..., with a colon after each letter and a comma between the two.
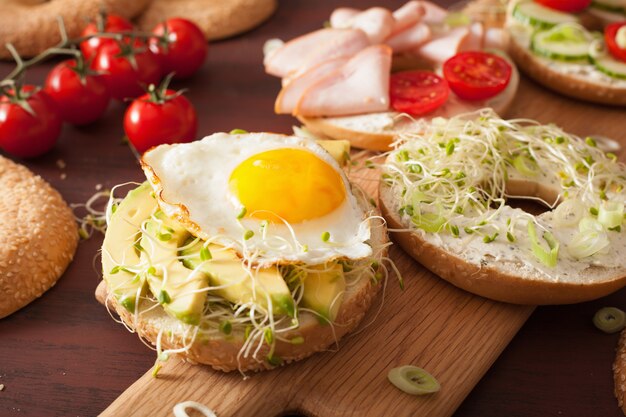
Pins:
x: 244, y: 347
x: 377, y: 131
x: 492, y: 265
x: 580, y: 81
x: 38, y: 240
x: 33, y: 27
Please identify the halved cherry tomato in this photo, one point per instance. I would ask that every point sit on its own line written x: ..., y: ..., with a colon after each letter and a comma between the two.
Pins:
x: 570, y: 6
x: 127, y: 70
x: 29, y: 122
x: 81, y: 96
x: 160, y: 117
x: 610, y: 34
x: 417, y: 92
x: 112, y: 24
x: 477, y: 75
x: 185, y: 50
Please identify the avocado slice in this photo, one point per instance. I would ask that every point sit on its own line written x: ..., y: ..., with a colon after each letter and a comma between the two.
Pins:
x: 323, y: 291
x: 118, y: 248
x: 176, y: 287
x: 226, y: 269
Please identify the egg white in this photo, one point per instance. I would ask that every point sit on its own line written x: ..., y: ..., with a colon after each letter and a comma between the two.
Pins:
x: 191, y: 182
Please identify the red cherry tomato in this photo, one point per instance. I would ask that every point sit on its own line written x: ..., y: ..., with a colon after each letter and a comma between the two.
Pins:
x: 25, y: 134
x: 125, y: 70
x: 417, y: 92
x: 185, y: 50
x: 80, y: 97
x: 112, y: 24
x: 477, y: 75
x: 610, y: 33
x: 154, y: 119
x: 570, y: 6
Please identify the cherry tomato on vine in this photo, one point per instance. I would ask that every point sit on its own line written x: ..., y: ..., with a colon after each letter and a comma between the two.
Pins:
x: 477, y: 75
x: 160, y: 116
x: 570, y: 6
x: 610, y: 38
x: 417, y: 92
x: 29, y: 122
x: 185, y: 50
x: 81, y: 96
x: 112, y: 24
x: 127, y: 69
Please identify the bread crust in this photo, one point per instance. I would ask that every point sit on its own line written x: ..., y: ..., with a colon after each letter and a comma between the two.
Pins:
x: 217, y: 19
x: 568, y: 85
x: 488, y: 281
x: 38, y: 236
x: 223, y: 355
x: 32, y: 28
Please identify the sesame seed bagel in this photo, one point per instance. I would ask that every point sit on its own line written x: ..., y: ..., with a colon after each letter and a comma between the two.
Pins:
x: 217, y: 19
x: 38, y: 236
x: 452, y: 213
x: 225, y: 353
x: 32, y: 26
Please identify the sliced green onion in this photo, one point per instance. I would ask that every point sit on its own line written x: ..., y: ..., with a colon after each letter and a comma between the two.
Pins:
x: 429, y: 222
x: 611, y: 214
x: 413, y: 380
x: 546, y: 257
x: 525, y: 166
x: 610, y: 319
x: 568, y: 213
x: 591, y: 239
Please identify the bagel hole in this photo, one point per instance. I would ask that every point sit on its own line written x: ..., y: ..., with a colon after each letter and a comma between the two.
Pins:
x: 529, y: 206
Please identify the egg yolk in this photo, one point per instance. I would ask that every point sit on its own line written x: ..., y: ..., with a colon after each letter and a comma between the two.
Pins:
x: 293, y: 184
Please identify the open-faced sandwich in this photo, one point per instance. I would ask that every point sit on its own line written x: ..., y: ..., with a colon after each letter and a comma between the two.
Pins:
x: 243, y: 251
x: 447, y: 193
x: 557, y: 44
x: 338, y: 81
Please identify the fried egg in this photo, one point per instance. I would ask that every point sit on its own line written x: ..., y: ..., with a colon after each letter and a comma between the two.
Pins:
x: 273, y: 198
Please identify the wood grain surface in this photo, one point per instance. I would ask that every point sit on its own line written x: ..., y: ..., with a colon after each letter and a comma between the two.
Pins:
x: 64, y: 356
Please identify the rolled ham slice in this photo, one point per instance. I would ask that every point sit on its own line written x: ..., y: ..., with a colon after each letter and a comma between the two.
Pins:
x: 341, y: 18
x: 410, y: 38
x: 407, y: 16
x: 359, y: 86
x: 308, y: 50
x: 440, y: 49
x: 293, y: 90
x: 433, y: 14
x: 376, y: 22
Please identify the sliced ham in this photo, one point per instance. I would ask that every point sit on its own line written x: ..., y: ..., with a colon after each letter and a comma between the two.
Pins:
x: 442, y: 48
x: 359, y: 86
x: 407, y: 16
x: 309, y: 50
x: 293, y: 90
x: 341, y: 17
x: 433, y: 14
x: 376, y: 22
x: 475, y: 39
x: 410, y: 38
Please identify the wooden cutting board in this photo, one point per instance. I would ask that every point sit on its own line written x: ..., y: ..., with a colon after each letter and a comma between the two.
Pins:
x: 454, y: 335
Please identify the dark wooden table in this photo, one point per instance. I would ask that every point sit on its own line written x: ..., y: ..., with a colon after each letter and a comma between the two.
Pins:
x: 64, y: 356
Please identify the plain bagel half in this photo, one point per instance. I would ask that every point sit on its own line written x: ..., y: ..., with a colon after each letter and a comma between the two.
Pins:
x: 32, y: 26
x: 447, y: 207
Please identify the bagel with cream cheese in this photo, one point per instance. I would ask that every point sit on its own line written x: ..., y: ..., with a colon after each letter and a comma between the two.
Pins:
x: 32, y: 27
x: 561, y: 51
x: 446, y: 193
x: 337, y: 80
x: 232, y: 276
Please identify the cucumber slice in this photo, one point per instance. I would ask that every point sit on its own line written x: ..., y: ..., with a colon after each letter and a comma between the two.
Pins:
x: 536, y: 15
x: 566, y: 42
x: 610, y: 66
x: 616, y: 6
